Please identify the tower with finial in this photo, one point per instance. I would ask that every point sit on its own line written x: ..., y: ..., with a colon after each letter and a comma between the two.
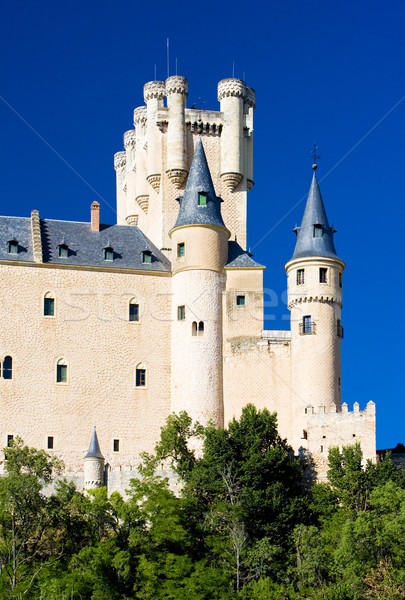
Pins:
x: 93, y: 464
x: 200, y: 243
x: 315, y: 300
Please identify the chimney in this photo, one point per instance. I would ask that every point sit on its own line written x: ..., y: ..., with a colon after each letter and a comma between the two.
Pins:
x: 95, y: 216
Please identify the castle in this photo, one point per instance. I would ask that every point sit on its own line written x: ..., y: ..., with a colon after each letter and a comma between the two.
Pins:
x: 117, y: 326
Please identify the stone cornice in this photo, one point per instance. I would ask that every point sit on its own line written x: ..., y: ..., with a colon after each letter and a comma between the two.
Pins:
x: 154, y: 89
x: 310, y: 260
x: 140, y: 115
x: 231, y: 87
x: 19, y: 263
x: 205, y: 225
x: 130, y: 139
x: 307, y: 299
x: 120, y: 160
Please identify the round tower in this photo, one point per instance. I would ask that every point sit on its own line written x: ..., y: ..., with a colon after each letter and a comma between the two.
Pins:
x: 232, y: 96
x: 314, y: 276
x: 249, y: 106
x: 93, y: 465
x: 176, y: 92
x: 141, y: 185
x: 153, y: 93
x: 200, y: 247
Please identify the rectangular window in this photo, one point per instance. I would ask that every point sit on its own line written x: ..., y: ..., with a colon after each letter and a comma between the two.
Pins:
x: 147, y: 257
x: 304, y: 435
x: 50, y: 442
x: 134, y: 312
x: 240, y: 300
x: 9, y: 440
x: 180, y: 250
x: 108, y: 254
x: 300, y: 276
x: 140, y: 377
x: 181, y: 313
x: 318, y: 231
x: 340, y: 279
x: 307, y: 325
x: 116, y: 445
x: 49, y: 307
x: 323, y: 275
x: 202, y: 199
x: 13, y: 247
x: 63, y: 251
x: 61, y: 373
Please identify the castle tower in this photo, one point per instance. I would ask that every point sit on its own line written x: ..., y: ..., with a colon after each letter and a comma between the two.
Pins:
x: 93, y: 465
x: 200, y: 249
x: 176, y: 92
x: 315, y: 299
x: 232, y: 96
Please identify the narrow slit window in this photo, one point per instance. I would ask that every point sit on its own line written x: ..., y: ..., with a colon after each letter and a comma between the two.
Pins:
x: 180, y: 250
x: 8, y: 368
x: 202, y: 199
x: 9, y: 440
x: 61, y: 373
x: 201, y: 328
x: 240, y: 300
x: 300, y: 276
x: 140, y: 378
x: 340, y: 279
x: 194, y: 328
x: 49, y: 307
x: 116, y: 445
x: 181, y: 313
x: 323, y: 275
x: 133, y: 311
x: 50, y: 442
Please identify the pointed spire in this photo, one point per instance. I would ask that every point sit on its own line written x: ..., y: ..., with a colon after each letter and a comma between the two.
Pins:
x: 94, y: 448
x: 315, y: 236
x: 199, y: 181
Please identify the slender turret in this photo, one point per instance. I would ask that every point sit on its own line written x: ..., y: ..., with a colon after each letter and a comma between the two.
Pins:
x: 93, y: 464
x: 315, y: 300
x: 176, y: 92
x: 200, y: 245
x: 232, y: 95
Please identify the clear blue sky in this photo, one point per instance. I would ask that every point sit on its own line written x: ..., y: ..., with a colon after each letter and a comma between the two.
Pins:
x: 325, y: 71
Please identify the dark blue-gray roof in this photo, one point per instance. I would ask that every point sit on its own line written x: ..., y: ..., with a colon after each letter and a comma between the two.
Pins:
x: 94, y: 448
x: 85, y: 247
x: 240, y: 259
x: 199, y: 180
x: 314, y: 218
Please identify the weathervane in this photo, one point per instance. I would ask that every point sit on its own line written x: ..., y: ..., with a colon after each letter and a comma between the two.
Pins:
x: 315, y: 156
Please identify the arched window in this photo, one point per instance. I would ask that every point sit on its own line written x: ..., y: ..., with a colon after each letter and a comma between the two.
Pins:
x: 140, y: 376
x: 201, y: 328
x: 8, y: 368
x: 49, y: 305
x: 194, y: 328
x: 133, y: 310
x: 61, y: 371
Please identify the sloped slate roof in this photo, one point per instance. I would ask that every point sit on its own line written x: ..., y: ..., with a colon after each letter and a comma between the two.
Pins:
x: 94, y: 448
x: 199, y: 180
x: 86, y: 247
x: 315, y: 214
x: 239, y: 258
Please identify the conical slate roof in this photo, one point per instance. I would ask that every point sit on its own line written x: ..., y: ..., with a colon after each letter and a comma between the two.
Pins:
x: 314, y: 215
x: 94, y: 448
x: 199, y: 180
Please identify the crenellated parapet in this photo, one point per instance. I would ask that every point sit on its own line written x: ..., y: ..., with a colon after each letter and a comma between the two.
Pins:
x: 154, y: 90
x: 293, y: 302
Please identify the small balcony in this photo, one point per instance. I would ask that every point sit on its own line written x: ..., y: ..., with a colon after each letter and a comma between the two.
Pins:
x: 307, y: 328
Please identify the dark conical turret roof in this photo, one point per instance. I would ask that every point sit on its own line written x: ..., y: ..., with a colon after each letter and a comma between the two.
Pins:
x: 315, y: 215
x: 94, y: 448
x: 199, y: 180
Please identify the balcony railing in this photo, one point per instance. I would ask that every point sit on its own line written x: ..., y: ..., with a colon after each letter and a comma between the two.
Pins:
x: 339, y: 331
x: 307, y: 328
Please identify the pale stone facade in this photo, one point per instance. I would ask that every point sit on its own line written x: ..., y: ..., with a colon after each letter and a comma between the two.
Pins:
x: 104, y: 331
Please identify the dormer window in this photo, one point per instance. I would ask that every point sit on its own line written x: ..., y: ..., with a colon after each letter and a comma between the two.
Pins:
x: 108, y: 253
x: 63, y: 251
x: 147, y: 257
x: 12, y: 247
x: 202, y: 199
x: 317, y: 230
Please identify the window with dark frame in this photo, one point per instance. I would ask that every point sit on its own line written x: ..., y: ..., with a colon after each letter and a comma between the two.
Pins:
x: 181, y: 313
x: 63, y: 251
x: 300, y: 276
x: 180, y: 250
x: 317, y: 231
x: 13, y: 247
x: 7, y: 367
x: 49, y: 307
x: 140, y: 380
x: 340, y: 279
x: 147, y: 257
x: 202, y: 199
x: 133, y: 311
x: 108, y: 254
x: 116, y: 445
x: 61, y: 373
x: 50, y: 442
x: 9, y: 440
x: 307, y: 324
x: 240, y: 300
x: 323, y: 275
